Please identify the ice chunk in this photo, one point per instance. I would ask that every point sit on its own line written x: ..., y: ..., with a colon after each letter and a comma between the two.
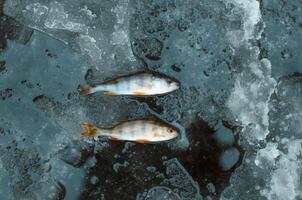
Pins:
x: 178, y: 184
x: 5, y: 192
x: 36, y: 11
x: 266, y: 157
x: 117, y: 166
x: 274, y: 170
x: 82, y: 26
x: 89, y: 46
x: 285, y: 181
x: 58, y: 19
x: 223, y: 135
x: 179, y: 179
x: 254, y: 85
x: 94, y: 180
x: 68, y: 176
x: 29, y: 175
x: 211, y: 187
x: 282, y: 31
x: 33, y: 138
x: 229, y: 158
x: 250, y: 10
x: 249, y: 100
x: 160, y: 192
x: 74, y: 154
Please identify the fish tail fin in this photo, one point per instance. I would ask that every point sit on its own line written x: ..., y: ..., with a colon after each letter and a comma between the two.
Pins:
x: 90, y: 130
x: 86, y: 90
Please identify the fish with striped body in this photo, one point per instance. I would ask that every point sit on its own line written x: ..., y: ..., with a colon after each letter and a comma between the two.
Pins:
x: 140, y: 130
x: 138, y: 84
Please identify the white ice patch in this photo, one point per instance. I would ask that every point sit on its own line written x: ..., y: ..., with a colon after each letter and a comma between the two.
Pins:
x: 88, y: 12
x: 88, y: 46
x: 285, y: 182
x: 120, y: 36
x: 58, y: 18
x: 254, y: 85
x: 249, y: 100
x: 36, y: 11
x: 267, y: 155
x: 93, y: 33
x: 251, y: 17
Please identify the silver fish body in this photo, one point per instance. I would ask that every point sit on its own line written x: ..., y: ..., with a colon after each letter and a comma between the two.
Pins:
x: 139, y: 84
x: 142, y: 130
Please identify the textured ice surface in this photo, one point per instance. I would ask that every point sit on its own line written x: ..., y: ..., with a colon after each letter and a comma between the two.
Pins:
x: 98, y: 29
x: 178, y: 184
x: 280, y: 43
x: 235, y: 60
x: 160, y: 192
x: 29, y: 140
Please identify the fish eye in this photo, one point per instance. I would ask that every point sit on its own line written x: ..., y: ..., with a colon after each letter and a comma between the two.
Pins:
x: 170, y: 130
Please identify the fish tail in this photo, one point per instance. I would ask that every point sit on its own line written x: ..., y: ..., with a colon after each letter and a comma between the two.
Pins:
x: 86, y: 90
x: 90, y: 130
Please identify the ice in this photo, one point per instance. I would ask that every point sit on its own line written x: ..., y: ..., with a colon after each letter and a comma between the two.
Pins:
x: 238, y: 109
x: 251, y: 102
x: 285, y: 182
x: 282, y: 32
x: 31, y: 148
x: 254, y: 84
x: 229, y: 158
x: 163, y: 193
x: 275, y: 167
x: 82, y: 26
x: 94, y: 180
x: 29, y: 175
x: 117, y: 166
x: 58, y: 19
x: 211, y: 187
x: 251, y: 17
x: 266, y: 157
x: 178, y: 185
x: 223, y: 135
x: 187, y: 188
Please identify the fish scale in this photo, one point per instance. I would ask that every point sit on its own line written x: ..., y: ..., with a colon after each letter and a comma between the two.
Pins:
x: 139, y: 84
x: 142, y: 130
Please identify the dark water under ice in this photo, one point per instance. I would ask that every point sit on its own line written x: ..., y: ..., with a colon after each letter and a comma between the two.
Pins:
x: 238, y: 108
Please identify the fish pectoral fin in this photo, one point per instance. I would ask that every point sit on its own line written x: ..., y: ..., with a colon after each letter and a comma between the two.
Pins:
x: 139, y: 93
x: 109, y: 93
x: 142, y: 140
x: 113, y: 138
x: 156, y: 134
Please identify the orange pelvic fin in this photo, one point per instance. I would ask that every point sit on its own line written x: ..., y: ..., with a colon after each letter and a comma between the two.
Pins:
x: 85, y: 90
x: 110, y: 93
x: 90, y: 130
x: 113, y: 138
x: 139, y: 93
x: 142, y: 140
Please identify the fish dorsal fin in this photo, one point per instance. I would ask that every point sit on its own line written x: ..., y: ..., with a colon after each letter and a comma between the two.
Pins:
x: 156, y: 120
x: 151, y: 118
x: 114, y: 79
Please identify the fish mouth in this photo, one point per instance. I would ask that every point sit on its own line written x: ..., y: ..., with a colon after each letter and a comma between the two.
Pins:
x: 177, y: 84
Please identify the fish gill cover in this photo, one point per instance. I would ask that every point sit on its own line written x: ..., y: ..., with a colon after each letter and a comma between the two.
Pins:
x: 238, y: 109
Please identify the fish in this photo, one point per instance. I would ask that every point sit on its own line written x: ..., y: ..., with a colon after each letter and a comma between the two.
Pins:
x: 138, y: 84
x: 138, y: 130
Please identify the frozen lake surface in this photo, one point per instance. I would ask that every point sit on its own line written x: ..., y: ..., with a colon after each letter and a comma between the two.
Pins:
x: 239, y: 108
